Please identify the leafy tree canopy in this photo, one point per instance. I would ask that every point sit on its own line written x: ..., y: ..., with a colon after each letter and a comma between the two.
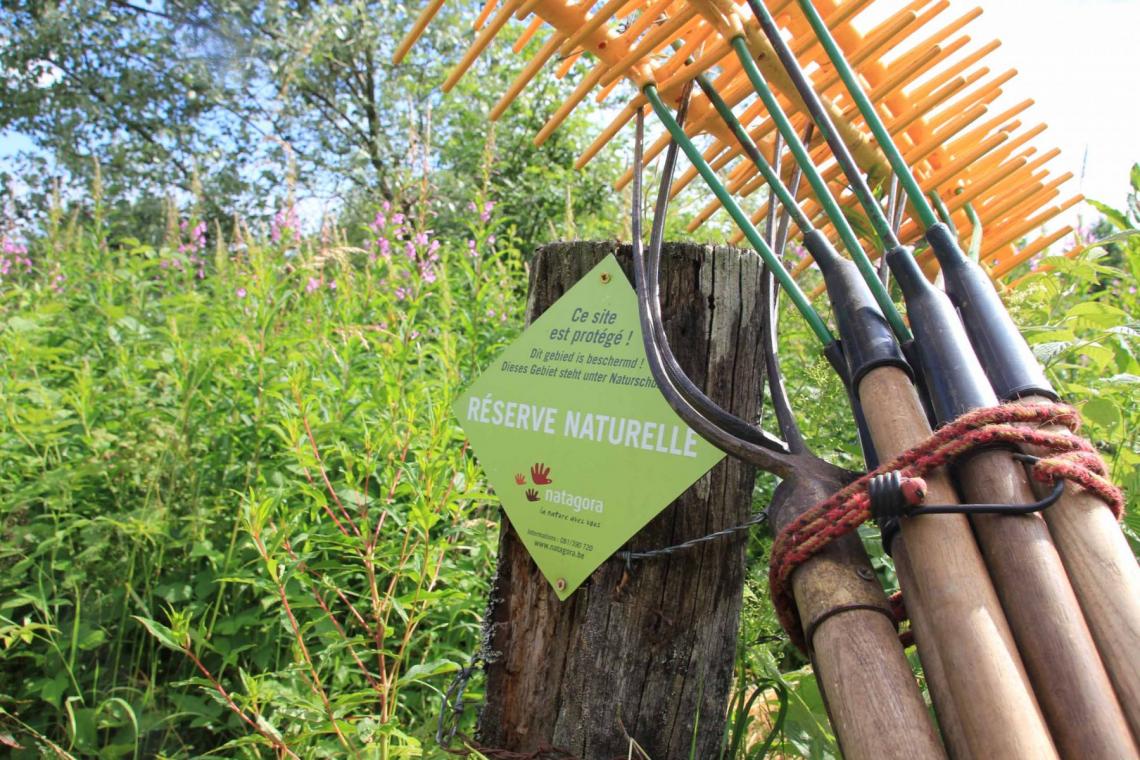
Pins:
x: 203, y: 96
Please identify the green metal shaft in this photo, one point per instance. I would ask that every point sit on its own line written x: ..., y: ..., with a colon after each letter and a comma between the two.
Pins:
x: 973, y: 251
x: 750, y: 232
x: 943, y: 212
x: 754, y: 153
x: 910, y: 184
x: 822, y: 191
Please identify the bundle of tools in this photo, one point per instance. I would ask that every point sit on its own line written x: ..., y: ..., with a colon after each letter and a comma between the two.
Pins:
x: 1022, y: 593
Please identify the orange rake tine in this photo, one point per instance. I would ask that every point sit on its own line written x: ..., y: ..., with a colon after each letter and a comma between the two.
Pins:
x: 604, y: 14
x: 527, y: 34
x: 940, y: 77
x: 647, y: 45
x: 1019, y: 231
x: 568, y: 105
x: 417, y: 30
x: 1003, y: 268
x: 527, y: 74
x: 525, y: 9
x: 480, y: 43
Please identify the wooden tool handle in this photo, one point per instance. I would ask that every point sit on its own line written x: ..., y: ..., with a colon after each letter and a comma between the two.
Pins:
x: 967, y: 627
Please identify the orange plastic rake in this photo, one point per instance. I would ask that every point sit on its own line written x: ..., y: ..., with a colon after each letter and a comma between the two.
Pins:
x: 925, y: 75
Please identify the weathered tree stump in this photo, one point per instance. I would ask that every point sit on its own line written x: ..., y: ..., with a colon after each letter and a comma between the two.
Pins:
x: 646, y: 654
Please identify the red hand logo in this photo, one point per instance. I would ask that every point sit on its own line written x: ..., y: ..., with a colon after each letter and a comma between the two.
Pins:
x: 520, y: 479
x: 540, y: 474
x: 531, y: 494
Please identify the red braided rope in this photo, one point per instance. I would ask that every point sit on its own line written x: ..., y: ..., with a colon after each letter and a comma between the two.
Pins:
x: 1072, y: 458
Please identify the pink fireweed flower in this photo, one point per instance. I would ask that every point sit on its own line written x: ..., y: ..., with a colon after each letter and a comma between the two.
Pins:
x: 197, y: 238
x: 414, y: 334
x: 471, y: 249
x: 397, y: 218
x: 13, y: 247
x: 57, y: 283
x: 240, y: 293
x: 472, y: 207
x: 410, y: 250
x: 332, y: 284
x: 433, y: 248
x: 312, y: 285
x: 386, y: 206
x: 402, y: 293
x: 385, y: 248
x: 490, y: 240
x: 488, y: 207
x: 379, y: 222
x: 285, y: 220
x: 422, y: 237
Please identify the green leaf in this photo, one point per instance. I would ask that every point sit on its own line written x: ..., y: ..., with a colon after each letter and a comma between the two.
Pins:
x: 92, y: 639
x: 1097, y: 314
x: 81, y: 724
x: 426, y: 670
x: 1116, y: 218
x: 164, y: 635
x: 52, y: 691
x: 1102, y: 412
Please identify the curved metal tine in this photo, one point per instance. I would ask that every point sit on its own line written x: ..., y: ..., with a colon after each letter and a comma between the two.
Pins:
x: 794, y: 189
x: 895, y: 204
x: 717, y: 415
x: 773, y: 207
x: 893, y: 197
x: 897, y: 219
x: 781, y: 405
x: 776, y: 462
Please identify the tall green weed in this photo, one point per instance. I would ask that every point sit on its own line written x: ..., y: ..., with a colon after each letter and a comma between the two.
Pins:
x: 236, y: 515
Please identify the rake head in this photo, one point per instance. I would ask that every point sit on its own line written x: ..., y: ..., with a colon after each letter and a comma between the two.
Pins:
x: 966, y: 139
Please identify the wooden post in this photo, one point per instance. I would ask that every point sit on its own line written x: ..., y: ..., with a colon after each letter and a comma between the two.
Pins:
x: 645, y: 654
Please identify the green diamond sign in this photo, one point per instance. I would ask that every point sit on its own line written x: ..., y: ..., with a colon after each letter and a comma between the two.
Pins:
x: 573, y: 433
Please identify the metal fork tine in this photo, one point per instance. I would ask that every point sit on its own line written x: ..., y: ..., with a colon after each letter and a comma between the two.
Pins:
x: 729, y: 422
x: 771, y: 460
